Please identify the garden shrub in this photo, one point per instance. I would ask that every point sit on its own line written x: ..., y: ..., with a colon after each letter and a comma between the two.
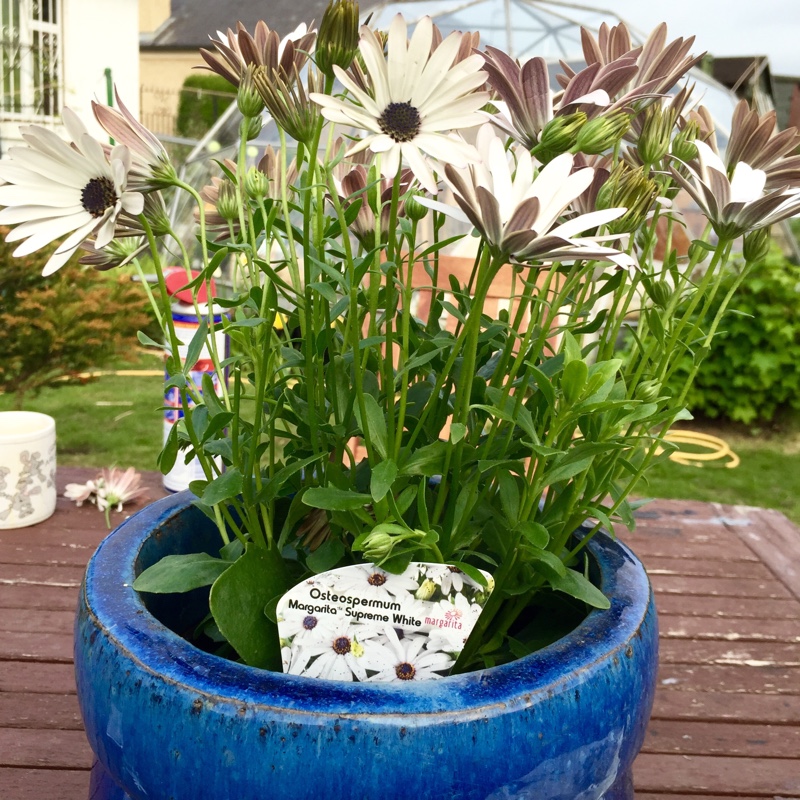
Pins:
x: 75, y: 320
x: 752, y: 371
x: 203, y: 99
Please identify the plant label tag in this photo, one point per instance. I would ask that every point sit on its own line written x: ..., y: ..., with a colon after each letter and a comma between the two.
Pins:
x: 360, y: 623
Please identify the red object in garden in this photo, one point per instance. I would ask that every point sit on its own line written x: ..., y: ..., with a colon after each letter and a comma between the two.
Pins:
x: 176, y: 282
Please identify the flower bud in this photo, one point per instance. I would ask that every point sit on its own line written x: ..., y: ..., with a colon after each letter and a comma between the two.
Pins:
x: 683, y: 147
x: 426, y: 590
x: 227, y: 202
x: 647, y: 391
x: 698, y: 253
x: 654, y: 140
x: 337, y: 40
x: 248, y: 100
x: 602, y: 133
x: 660, y: 292
x: 559, y: 135
x: 254, y: 125
x: 256, y: 183
x: 413, y: 209
x: 631, y: 188
x: 378, y: 546
x: 757, y: 244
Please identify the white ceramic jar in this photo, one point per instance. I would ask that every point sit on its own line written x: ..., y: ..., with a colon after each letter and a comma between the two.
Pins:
x: 27, y: 468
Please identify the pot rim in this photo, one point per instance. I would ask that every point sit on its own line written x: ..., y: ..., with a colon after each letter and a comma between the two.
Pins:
x: 118, y: 612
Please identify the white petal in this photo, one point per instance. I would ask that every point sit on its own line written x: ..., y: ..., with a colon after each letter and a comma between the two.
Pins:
x: 591, y: 220
x: 397, y: 49
x: 44, y: 231
x: 376, y: 68
x: 13, y: 215
x: 447, y: 149
x: 133, y: 202
x: 451, y: 211
x: 747, y: 184
x: 56, y: 196
x: 57, y: 260
x: 390, y: 161
x: 419, y: 51
x: 420, y: 167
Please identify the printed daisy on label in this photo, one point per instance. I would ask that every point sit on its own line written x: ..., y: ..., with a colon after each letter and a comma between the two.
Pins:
x: 407, y: 659
x: 418, y: 94
x: 338, y: 652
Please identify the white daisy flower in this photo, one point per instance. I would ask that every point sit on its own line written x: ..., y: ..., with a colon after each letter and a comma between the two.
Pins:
x: 340, y: 652
x: 373, y: 581
x: 419, y: 94
x: 53, y: 189
x: 410, y: 661
x: 517, y: 209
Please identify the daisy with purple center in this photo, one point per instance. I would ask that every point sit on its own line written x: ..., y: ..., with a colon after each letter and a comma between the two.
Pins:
x: 408, y: 659
x: 53, y: 189
x: 418, y: 94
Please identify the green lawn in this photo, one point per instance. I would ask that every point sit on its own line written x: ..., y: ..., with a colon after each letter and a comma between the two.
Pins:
x: 111, y: 420
x: 768, y: 475
x: 117, y: 420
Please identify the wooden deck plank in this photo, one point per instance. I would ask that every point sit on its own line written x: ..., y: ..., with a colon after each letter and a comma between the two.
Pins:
x: 21, y: 646
x: 40, y: 711
x: 36, y: 677
x: 723, y: 776
x: 734, y: 607
x: 37, y: 784
x: 52, y: 749
x: 711, y: 706
x: 730, y: 629
x: 749, y: 654
x: 36, y: 621
x: 722, y: 738
x: 736, y: 679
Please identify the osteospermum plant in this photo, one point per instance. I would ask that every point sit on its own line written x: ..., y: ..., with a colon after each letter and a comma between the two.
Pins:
x: 352, y: 429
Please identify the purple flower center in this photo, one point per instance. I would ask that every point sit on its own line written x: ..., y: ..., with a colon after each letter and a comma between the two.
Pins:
x: 405, y: 671
x: 341, y: 645
x: 376, y: 579
x: 400, y: 121
x: 98, y: 195
x: 309, y: 623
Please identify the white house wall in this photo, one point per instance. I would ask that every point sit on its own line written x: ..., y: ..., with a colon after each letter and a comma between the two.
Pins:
x: 95, y: 35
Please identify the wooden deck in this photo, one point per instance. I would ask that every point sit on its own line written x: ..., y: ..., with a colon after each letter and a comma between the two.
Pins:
x: 726, y: 721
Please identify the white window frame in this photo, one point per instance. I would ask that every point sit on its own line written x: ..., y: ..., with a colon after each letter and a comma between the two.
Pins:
x: 31, y: 59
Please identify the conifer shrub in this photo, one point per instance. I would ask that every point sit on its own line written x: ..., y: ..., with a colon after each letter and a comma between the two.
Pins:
x: 62, y: 325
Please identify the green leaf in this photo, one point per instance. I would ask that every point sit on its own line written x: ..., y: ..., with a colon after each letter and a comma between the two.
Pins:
x: 551, y: 565
x: 457, y: 432
x: 573, y: 379
x: 471, y: 572
x: 326, y: 556
x: 427, y: 460
x: 195, y: 346
x: 534, y: 533
x: 146, y: 341
x: 222, y: 488
x: 374, y: 425
x: 325, y: 290
x: 332, y: 499
x: 575, y: 585
x: 169, y: 453
x: 180, y: 573
x: 383, y: 477
x: 238, y: 598
x: 509, y: 496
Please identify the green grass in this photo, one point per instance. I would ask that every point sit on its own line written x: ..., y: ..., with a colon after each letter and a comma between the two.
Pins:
x: 111, y: 420
x: 767, y: 476
x: 117, y: 420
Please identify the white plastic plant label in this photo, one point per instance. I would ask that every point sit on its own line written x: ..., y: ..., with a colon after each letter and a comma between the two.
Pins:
x: 361, y: 623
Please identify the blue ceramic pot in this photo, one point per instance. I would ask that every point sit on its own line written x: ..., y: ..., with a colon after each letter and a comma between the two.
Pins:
x: 169, y: 722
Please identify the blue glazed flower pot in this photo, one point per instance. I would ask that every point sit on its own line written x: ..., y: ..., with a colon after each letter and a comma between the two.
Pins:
x: 169, y: 722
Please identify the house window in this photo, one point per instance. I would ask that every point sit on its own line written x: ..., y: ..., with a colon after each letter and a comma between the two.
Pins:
x: 30, y: 62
